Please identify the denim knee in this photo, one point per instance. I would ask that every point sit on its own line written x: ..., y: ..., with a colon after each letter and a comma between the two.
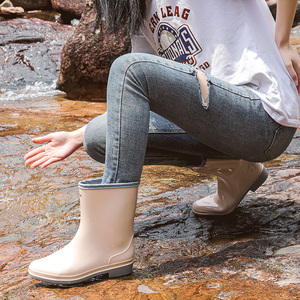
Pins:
x: 123, y: 62
x: 94, y: 141
x: 130, y: 66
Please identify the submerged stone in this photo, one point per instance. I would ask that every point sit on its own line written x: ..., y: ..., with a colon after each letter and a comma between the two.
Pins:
x: 144, y: 289
x: 288, y: 250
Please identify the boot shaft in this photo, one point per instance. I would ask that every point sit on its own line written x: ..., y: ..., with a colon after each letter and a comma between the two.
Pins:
x: 108, y: 209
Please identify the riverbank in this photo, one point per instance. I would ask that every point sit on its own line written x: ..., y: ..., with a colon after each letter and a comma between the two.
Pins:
x: 178, y: 256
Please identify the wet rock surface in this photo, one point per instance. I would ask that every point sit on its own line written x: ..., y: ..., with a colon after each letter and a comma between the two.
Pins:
x: 30, y: 50
x: 87, y: 57
x: 31, y: 4
x: 251, y: 254
x: 73, y: 8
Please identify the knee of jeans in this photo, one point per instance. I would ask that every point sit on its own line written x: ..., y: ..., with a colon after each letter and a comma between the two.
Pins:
x: 130, y: 64
x: 126, y: 60
x: 122, y: 63
x: 94, y: 141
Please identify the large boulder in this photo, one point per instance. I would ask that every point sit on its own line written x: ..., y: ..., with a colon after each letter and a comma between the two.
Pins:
x: 32, y: 4
x: 74, y: 7
x: 87, y: 57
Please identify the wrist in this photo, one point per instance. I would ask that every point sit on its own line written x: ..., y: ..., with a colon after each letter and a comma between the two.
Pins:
x: 283, y: 43
x: 78, y: 135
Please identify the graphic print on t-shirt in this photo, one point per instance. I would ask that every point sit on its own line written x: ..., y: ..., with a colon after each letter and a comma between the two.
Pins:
x: 174, y: 38
x: 231, y: 46
x: 179, y: 45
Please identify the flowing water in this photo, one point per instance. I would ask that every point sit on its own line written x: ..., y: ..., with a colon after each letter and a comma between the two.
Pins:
x: 39, y: 209
x: 33, y: 203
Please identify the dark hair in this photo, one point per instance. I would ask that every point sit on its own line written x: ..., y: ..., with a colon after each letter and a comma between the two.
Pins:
x: 119, y: 13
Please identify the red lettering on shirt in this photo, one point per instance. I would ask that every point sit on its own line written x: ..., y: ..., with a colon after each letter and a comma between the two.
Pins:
x: 153, y: 22
x: 185, y: 14
x: 169, y: 11
x: 176, y: 11
x: 151, y: 28
x: 157, y: 19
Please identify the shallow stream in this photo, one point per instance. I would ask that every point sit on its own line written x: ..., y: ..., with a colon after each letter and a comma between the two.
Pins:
x: 177, y: 255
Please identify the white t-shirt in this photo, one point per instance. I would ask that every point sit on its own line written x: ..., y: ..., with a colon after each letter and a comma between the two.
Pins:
x: 232, y: 40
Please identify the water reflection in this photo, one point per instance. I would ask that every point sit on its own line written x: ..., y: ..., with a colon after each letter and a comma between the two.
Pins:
x: 39, y: 209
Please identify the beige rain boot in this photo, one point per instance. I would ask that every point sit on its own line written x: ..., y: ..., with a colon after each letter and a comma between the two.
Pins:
x: 103, y: 243
x: 235, y: 179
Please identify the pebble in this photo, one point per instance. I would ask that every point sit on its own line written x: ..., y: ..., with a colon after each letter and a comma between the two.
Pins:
x: 144, y: 289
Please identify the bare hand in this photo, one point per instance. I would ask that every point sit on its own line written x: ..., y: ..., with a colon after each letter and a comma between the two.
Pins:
x: 59, y: 145
x: 292, y: 62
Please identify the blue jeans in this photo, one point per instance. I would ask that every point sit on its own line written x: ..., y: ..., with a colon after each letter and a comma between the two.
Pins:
x: 232, y: 123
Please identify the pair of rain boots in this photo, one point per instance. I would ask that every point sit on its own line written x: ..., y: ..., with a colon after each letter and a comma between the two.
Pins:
x: 104, y: 242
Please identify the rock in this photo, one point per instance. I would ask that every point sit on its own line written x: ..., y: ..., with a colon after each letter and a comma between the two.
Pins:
x: 288, y: 250
x: 9, y: 253
x: 144, y: 289
x: 31, y: 50
x: 269, y: 212
x: 87, y: 57
x: 11, y: 11
x: 73, y: 8
x: 32, y: 4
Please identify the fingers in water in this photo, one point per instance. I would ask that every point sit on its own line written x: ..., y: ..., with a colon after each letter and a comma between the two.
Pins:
x: 39, y: 162
x: 49, y: 162
x: 34, y: 152
x: 35, y: 158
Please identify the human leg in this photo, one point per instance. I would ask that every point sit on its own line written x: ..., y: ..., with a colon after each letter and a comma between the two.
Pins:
x: 172, y: 91
x: 235, y: 178
x: 86, y: 255
x: 230, y: 119
x: 167, y: 143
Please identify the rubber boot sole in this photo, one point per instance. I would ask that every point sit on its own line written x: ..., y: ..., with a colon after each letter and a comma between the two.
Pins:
x: 112, y: 273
